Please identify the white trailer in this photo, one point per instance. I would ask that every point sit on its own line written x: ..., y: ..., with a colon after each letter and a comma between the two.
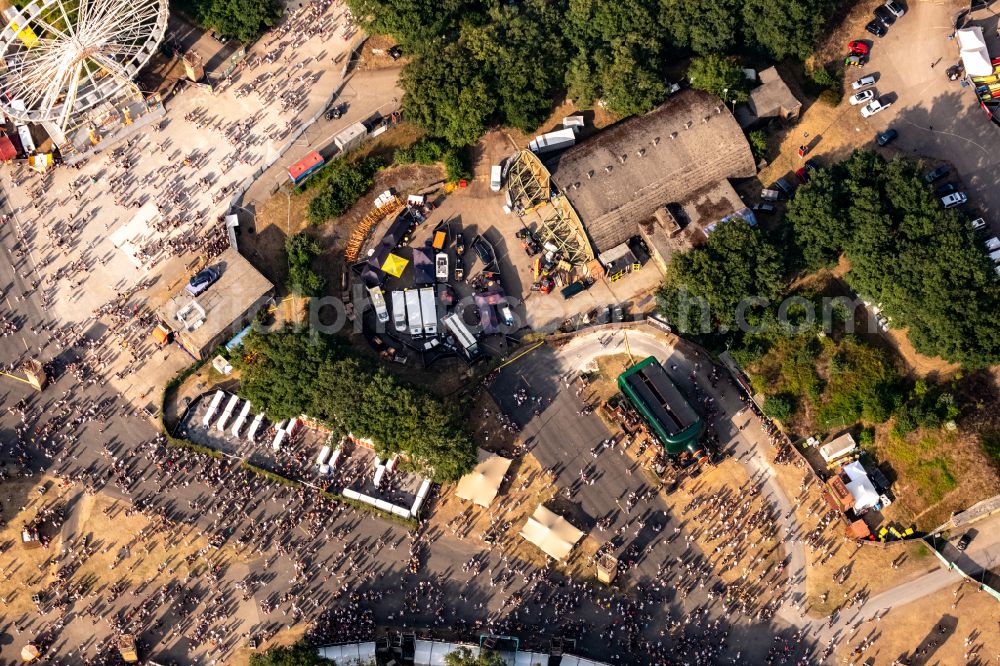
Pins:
x: 254, y: 426
x: 399, y: 311
x: 414, y: 321
x: 462, y: 334
x: 993, y: 244
x: 995, y: 256
x: 324, y: 455
x: 227, y: 412
x: 213, y: 407
x: 241, y: 419
x: 546, y: 143
x: 428, y: 311
x: 351, y: 137
x: 378, y: 302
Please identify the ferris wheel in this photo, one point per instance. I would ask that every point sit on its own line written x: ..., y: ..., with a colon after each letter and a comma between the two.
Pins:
x: 62, y: 57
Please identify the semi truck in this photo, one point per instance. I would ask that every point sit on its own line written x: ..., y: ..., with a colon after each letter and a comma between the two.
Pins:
x: 413, y: 319
x: 399, y: 311
x: 428, y: 311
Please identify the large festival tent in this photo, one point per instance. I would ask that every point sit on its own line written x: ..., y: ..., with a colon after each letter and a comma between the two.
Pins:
x: 482, y: 484
x: 552, y: 533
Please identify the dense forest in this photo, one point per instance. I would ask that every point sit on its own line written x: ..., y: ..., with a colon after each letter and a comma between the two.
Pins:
x: 476, y: 64
x: 295, y: 371
x: 922, y: 263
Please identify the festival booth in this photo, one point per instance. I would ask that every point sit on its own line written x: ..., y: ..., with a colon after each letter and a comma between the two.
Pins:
x: 552, y: 533
x: 481, y: 485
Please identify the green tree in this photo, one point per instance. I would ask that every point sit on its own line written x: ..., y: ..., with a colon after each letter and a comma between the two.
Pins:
x: 340, y: 185
x: 448, y: 95
x: 738, y: 262
x: 301, y: 249
x: 779, y: 407
x: 784, y: 28
x: 719, y: 75
x: 758, y: 144
x: 581, y: 83
x: 239, y: 19
x: 818, y: 221
x: 704, y: 26
x: 300, y: 654
x: 463, y: 656
x: 420, y: 25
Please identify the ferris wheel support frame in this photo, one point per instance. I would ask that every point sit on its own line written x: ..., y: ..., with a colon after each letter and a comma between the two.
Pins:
x: 61, y: 58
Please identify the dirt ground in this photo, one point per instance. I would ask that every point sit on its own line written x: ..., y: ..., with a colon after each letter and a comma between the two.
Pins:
x: 133, y: 544
x: 937, y: 472
x: 871, y: 568
x: 969, y: 614
x: 525, y: 488
x: 288, y: 636
x: 373, y: 54
x: 720, y: 479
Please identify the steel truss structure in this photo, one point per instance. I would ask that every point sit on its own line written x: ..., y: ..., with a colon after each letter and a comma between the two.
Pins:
x: 530, y: 187
x: 63, y: 57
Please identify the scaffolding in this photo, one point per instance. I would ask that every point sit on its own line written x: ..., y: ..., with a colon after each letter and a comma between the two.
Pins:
x: 564, y: 229
x: 530, y: 187
x: 360, y: 233
x: 528, y: 181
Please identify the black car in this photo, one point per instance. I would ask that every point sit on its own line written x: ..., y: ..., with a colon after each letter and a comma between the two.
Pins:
x: 939, y: 172
x: 876, y: 27
x: 763, y: 207
x: 395, y: 52
x: 883, y: 14
x: 785, y: 186
x: 201, y: 281
x: 946, y: 189
x: 964, y: 542
x: 886, y: 137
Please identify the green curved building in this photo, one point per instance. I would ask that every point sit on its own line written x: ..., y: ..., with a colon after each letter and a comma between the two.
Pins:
x: 660, y: 402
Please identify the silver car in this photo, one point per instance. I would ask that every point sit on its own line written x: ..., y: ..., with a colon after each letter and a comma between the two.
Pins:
x: 863, y: 82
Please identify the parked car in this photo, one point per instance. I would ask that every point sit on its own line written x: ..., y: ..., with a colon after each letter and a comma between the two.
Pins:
x: 947, y: 188
x: 859, y: 48
x: 785, y: 186
x: 896, y: 8
x: 395, y: 52
x: 978, y: 224
x: 764, y: 207
x: 964, y: 542
x: 884, y: 15
x: 864, y: 82
x: 876, y: 28
x: 854, y: 61
x: 803, y: 175
x: 952, y: 200
x: 862, y: 97
x: 886, y: 137
x: 222, y: 39
x: 201, y: 281
x: 873, y: 107
x: 939, y: 172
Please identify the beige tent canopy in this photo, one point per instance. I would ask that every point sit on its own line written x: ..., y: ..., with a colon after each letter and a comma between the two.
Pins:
x: 482, y: 484
x: 552, y: 533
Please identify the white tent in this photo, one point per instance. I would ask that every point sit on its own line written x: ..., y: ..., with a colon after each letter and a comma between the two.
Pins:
x: 552, y: 533
x: 975, y: 56
x: 482, y: 484
x: 838, y: 447
x: 861, y: 488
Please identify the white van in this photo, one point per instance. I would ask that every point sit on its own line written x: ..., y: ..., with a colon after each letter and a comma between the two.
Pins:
x: 496, y: 177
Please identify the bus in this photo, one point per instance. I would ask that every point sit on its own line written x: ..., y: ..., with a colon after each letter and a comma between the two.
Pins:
x: 428, y: 310
x: 305, y: 167
x: 414, y: 321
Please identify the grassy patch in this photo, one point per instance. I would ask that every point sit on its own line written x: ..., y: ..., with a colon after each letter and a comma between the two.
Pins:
x: 991, y: 445
x: 933, y: 478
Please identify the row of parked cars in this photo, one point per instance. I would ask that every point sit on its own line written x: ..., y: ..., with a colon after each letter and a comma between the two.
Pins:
x: 885, y: 15
x: 951, y: 196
